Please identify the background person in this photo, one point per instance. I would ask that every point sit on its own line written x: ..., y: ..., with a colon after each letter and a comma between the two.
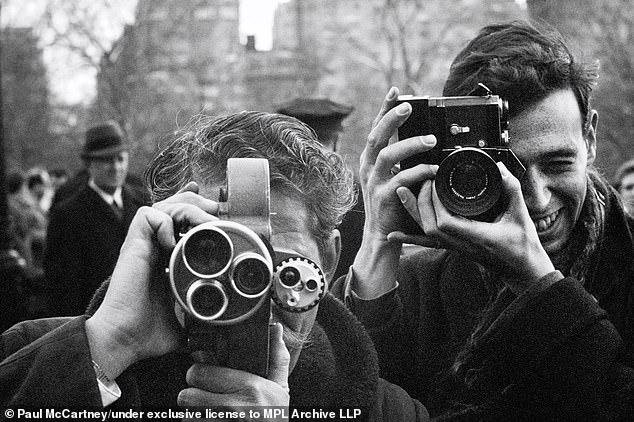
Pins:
x: 39, y: 186
x: 27, y: 221
x: 87, y: 229
x: 624, y: 183
x: 326, y: 117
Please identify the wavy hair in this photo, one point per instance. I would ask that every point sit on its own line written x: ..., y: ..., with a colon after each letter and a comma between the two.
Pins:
x: 523, y: 62
x: 299, y: 166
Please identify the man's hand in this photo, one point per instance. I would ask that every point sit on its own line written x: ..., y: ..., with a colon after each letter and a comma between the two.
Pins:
x: 213, y: 386
x: 136, y: 319
x: 377, y: 260
x: 509, y: 244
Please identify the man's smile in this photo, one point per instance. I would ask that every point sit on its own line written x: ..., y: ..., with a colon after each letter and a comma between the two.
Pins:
x: 544, y: 223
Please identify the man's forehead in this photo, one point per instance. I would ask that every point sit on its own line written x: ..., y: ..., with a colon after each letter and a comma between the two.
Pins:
x: 551, y: 127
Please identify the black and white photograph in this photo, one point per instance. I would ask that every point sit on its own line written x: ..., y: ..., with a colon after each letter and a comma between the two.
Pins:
x: 317, y: 210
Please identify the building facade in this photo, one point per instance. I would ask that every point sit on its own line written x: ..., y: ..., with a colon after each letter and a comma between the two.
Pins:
x: 185, y: 57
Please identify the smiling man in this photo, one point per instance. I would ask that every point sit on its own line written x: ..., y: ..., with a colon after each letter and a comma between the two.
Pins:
x: 529, y: 316
x: 130, y: 348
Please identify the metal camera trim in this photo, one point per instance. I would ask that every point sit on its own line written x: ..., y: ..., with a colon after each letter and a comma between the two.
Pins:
x: 230, y: 227
x: 452, y: 199
x: 242, y: 257
x: 195, y: 231
x: 308, y: 270
x: 196, y: 285
x: 305, y: 284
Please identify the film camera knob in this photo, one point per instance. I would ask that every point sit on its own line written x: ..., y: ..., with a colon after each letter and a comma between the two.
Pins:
x: 455, y: 129
x: 299, y: 284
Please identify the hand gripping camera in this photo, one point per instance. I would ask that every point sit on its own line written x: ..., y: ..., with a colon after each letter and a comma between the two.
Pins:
x: 472, y: 135
x: 223, y: 275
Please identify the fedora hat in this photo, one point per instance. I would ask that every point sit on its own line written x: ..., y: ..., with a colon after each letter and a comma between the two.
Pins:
x: 104, y: 140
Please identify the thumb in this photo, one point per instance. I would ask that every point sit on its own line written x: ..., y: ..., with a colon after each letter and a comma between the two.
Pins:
x: 279, y: 358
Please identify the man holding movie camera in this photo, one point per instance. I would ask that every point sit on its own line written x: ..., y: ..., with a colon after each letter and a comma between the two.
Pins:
x: 153, y: 340
x: 526, y: 313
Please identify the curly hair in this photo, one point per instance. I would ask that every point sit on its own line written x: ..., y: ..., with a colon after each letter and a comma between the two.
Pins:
x: 299, y: 166
x: 523, y: 62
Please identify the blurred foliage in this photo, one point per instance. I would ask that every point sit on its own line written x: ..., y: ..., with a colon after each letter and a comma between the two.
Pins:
x: 349, y: 50
x: 25, y: 106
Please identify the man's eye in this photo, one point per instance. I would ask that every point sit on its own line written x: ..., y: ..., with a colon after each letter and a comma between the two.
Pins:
x: 560, y: 165
x: 563, y: 162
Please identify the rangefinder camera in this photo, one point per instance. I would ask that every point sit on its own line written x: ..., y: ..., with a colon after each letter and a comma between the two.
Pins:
x: 472, y: 135
x: 224, y: 275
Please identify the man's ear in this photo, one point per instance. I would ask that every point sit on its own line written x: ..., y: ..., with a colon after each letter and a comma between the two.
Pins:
x: 591, y: 137
x: 331, y: 254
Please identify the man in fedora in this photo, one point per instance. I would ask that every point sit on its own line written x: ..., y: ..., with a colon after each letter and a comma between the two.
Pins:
x: 86, y: 230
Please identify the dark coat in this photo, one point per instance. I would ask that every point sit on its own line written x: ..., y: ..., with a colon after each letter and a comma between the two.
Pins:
x: 46, y: 363
x: 82, y: 245
x: 351, y: 229
x: 564, y: 353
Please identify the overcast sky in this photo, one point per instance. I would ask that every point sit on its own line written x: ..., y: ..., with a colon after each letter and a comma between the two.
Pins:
x: 72, y: 82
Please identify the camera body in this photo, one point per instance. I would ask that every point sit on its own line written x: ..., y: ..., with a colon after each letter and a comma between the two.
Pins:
x: 472, y: 136
x: 225, y: 275
x: 221, y: 272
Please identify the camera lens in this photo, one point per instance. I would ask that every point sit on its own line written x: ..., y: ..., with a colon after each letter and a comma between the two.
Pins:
x: 311, y: 285
x: 251, y: 275
x: 207, y: 300
x: 207, y: 252
x: 289, y: 277
x: 468, y: 182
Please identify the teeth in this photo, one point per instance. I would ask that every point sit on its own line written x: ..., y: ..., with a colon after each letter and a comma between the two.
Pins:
x: 544, y: 223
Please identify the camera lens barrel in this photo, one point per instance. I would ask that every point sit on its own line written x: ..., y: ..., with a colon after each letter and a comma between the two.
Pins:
x: 469, y: 182
x: 207, y: 252
x: 207, y: 299
x: 250, y: 275
x: 289, y: 277
x: 220, y: 273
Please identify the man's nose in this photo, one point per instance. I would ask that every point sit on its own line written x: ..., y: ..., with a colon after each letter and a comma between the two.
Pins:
x: 536, y: 190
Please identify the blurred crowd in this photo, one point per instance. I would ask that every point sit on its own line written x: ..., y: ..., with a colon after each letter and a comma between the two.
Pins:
x: 29, y: 198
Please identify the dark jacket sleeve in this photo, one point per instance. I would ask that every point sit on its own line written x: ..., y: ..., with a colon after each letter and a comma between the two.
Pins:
x: 45, y: 369
x: 552, y: 356
x: 394, y: 404
x: 418, y: 327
